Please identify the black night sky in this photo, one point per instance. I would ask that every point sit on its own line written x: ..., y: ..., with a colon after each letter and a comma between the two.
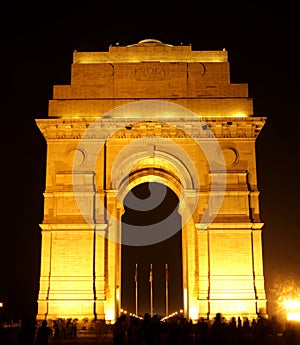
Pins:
x: 37, y: 43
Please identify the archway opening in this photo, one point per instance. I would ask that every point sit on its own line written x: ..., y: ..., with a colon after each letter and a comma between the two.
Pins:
x: 160, y: 213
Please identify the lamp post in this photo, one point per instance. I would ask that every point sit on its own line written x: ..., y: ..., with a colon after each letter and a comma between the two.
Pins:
x: 1, y: 308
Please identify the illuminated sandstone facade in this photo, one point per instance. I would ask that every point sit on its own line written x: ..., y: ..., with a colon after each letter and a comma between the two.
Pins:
x: 148, y: 91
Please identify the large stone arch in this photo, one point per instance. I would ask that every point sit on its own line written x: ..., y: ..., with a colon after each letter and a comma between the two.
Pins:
x: 151, y: 92
x: 176, y: 171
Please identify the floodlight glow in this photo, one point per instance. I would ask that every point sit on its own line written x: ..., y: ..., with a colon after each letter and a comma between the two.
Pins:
x: 110, y: 314
x: 239, y: 115
x: 293, y: 316
x: 291, y: 305
x: 193, y: 313
x: 292, y: 310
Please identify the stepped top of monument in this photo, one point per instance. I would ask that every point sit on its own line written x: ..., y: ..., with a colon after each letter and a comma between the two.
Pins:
x: 149, y: 50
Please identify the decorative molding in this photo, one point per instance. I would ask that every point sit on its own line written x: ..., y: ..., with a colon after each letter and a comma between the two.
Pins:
x: 105, y: 128
x: 228, y: 226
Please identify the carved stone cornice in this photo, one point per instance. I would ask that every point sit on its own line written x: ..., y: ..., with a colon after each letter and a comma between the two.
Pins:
x: 133, y: 128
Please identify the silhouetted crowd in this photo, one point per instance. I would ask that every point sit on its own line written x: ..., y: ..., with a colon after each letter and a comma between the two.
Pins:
x: 219, y: 331
x: 176, y: 330
x: 29, y: 333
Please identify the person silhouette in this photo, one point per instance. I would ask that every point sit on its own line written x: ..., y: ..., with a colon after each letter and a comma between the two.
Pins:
x: 43, y: 334
x: 119, y: 331
x: 147, y: 329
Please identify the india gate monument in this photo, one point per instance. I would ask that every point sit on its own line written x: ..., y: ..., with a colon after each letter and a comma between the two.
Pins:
x: 151, y: 113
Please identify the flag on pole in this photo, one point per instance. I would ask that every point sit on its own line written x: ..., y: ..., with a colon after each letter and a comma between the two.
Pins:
x: 136, y: 288
x: 167, y: 289
x: 151, y: 274
x: 136, y: 273
x: 167, y: 273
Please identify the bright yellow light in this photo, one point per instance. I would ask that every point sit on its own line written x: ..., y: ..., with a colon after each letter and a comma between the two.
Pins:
x: 185, y: 299
x: 292, y: 310
x: 293, y: 316
x: 118, y: 294
x: 193, y: 313
x: 291, y: 305
x: 1, y: 304
x: 239, y: 115
x: 110, y: 315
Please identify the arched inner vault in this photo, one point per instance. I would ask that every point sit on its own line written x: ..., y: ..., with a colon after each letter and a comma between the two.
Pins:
x: 132, y: 168
x: 170, y: 172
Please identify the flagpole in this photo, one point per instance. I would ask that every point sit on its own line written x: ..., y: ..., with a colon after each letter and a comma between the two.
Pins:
x: 167, y: 290
x: 151, y: 291
x: 136, y: 288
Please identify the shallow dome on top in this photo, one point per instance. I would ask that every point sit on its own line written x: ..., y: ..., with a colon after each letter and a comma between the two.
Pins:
x: 149, y: 41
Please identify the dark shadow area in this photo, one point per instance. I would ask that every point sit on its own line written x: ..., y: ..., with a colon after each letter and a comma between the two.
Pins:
x: 158, y: 254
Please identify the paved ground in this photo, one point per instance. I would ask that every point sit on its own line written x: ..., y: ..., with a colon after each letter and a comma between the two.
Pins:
x: 13, y: 338
x: 108, y: 341
x: 93, y: 340
x: 86, y: 338
x: 84, y: 341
